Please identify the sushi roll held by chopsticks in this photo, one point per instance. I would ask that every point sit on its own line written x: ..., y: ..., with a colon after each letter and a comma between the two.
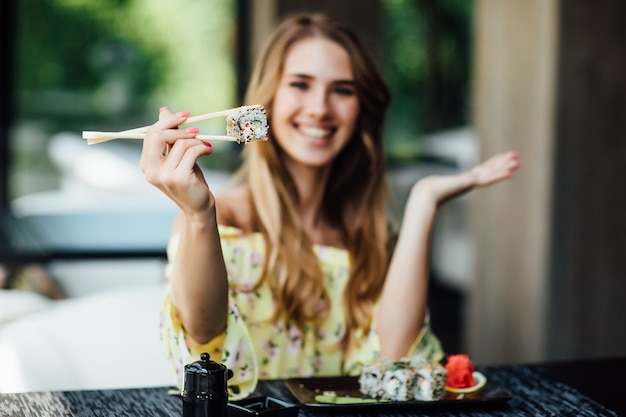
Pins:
x: 243, y: 125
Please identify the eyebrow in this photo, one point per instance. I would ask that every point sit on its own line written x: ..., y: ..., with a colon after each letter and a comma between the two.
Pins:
x: 308, y: 77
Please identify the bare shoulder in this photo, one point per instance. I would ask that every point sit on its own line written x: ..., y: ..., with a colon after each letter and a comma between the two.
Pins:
x: 234, y: 207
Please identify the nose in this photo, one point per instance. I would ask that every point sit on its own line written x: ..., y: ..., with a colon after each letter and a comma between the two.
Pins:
x: 318, y: 103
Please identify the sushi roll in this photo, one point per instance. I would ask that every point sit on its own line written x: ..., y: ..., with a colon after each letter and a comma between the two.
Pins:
x: 398, y: 381
x: 247, y: 124
x: 371, y: 377
x: 430, y: 382
x: 408, y: 379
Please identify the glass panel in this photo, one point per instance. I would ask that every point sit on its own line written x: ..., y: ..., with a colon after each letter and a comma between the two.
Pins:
x: 109, y: 65
x: 428, y: 70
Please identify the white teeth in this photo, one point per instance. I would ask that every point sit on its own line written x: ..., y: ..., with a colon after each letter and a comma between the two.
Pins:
x: 315, y: 132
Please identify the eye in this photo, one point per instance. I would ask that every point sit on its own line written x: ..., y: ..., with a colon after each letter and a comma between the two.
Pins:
x: 344, y: 88
x: 300, y: 85
x: 344, y: 91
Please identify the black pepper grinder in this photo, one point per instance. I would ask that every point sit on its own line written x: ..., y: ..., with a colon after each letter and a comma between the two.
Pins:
x: 205, y: 391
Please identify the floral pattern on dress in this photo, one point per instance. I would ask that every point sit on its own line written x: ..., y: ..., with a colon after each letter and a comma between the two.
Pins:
x: 253, y: 346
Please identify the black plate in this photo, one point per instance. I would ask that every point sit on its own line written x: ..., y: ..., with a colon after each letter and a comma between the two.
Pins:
x: 261, y: 407
x: 305, y: 390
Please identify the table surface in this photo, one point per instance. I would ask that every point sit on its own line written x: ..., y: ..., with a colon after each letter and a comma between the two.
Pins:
x: 573, y: 388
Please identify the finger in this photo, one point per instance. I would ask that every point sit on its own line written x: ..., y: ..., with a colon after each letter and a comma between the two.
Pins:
x: 166, y: 120
x: 190, y: 158
x: 513, y: 161
x: 181, y: 175
x: 153, y: 163
x: 193, y: 131
x: 169, y: 120
x: 185, y: 153
x: 163, y: 113
x: 156, y: 143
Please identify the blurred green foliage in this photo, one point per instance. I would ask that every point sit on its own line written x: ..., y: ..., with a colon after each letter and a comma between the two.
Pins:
x: 117, y: 61
x: 428, y: 70
x: 109, y: 65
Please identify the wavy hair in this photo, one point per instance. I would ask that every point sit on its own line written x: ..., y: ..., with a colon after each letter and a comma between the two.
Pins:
x: 354, y: 201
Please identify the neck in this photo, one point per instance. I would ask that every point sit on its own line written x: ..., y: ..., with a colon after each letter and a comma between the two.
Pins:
x: 310, y: 184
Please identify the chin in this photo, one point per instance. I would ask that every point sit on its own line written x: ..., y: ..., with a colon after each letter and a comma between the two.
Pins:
x: 311, y: 162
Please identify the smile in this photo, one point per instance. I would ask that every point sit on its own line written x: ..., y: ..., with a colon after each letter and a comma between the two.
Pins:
x: 315, y: 132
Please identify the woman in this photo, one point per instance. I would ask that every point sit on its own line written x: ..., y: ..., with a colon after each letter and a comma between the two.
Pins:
x: 293, y: 271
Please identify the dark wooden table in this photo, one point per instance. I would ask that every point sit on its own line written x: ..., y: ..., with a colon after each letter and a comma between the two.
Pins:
x: 572, y: 388
x: 600, y: 379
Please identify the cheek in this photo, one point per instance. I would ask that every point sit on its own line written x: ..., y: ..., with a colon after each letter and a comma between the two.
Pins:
x: 279, y: 121
x: 350, y: 112
x: 284, y: 103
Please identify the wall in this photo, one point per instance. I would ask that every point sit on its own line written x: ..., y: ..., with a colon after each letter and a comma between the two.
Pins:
x: 550, y: 247
x: 514, y: 68
x: 588, y: 268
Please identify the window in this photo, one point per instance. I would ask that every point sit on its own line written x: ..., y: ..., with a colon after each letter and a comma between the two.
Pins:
x: 109, y: 65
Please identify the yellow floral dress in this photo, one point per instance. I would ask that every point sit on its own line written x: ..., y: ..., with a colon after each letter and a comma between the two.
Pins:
x: 253, y: 346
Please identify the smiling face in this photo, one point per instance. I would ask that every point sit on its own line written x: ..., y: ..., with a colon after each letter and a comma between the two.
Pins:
x: 316, y: 106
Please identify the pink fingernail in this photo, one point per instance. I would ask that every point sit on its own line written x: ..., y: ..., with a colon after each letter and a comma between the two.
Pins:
x: 208, y: 144
x: 183, y: 114
x: 192, y: 130
x: 162, y: 109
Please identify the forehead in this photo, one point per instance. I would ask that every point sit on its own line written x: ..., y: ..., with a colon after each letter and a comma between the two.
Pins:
x: 318, y: 58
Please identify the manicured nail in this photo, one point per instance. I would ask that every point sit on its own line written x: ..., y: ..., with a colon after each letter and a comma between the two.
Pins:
x: 192, y: 130
x: 183, y: 114
x: 208, y: 144
x: 162, y: 109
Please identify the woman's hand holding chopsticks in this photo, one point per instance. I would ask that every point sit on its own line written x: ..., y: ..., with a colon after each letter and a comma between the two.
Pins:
x: 169, y: 162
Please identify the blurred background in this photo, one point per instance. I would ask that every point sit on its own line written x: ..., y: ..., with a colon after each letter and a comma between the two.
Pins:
x: 531, y: 270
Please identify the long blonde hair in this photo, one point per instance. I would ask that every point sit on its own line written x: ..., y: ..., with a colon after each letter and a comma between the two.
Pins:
x: 355, y: 198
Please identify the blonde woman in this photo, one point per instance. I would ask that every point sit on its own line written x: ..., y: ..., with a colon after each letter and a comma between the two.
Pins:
x: 295, y: 270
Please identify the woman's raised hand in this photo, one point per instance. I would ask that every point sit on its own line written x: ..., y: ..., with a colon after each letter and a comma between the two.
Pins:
x: 497, y: 168
x: 437, y: 189
x: 169, y: 162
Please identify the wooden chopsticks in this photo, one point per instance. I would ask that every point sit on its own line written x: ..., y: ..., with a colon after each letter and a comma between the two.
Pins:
x: 94, y: 137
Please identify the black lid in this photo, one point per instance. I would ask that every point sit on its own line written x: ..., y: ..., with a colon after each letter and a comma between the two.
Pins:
x: 205, y: 377
x: 206, y: 363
